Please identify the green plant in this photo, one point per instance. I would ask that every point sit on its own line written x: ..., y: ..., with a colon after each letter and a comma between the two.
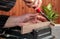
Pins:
x: 49, y: 12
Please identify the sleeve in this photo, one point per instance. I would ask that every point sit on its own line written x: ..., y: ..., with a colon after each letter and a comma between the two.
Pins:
x: 3, y: 20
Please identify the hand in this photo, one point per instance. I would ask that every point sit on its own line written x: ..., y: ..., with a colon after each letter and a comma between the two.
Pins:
x: 20, y: 20
x: 41, y: 18
x: 33, y: 18
x: 17, y: 20
x: 33, y: 3
x: 37, y: 4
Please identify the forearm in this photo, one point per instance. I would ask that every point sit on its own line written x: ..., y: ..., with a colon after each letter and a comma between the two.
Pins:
x: 13, y: 21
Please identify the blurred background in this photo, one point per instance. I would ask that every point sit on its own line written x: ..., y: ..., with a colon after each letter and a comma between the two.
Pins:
x: 20, y: 8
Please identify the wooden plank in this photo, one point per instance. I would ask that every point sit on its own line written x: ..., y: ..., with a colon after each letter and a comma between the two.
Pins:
x: 28, y: 27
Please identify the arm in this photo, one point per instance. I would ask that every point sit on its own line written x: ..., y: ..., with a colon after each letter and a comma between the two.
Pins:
x: 12, y: 21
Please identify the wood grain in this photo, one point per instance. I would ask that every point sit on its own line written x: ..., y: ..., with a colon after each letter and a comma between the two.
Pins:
x: 28, y: 27
x: 19, y: 9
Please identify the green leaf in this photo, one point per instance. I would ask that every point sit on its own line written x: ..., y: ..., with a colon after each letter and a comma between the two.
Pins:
x: 46, y: 11
x: 49, y: 12
x: 55, y: 16
x: 49, y: 6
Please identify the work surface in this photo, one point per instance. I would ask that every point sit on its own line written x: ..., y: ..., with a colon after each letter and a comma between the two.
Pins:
x: 28, y: 27
x: 56, y: 31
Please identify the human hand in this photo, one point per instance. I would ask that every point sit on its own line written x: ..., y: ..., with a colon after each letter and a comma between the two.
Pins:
x: 20, y: 20
x: 33, y: 3
x: 33, y: 20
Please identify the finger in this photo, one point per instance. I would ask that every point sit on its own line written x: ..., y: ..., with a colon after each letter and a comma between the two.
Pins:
x: 35, y: 20
x: 35, y: 3
x: 41, y: 18
x: 38, y: 4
